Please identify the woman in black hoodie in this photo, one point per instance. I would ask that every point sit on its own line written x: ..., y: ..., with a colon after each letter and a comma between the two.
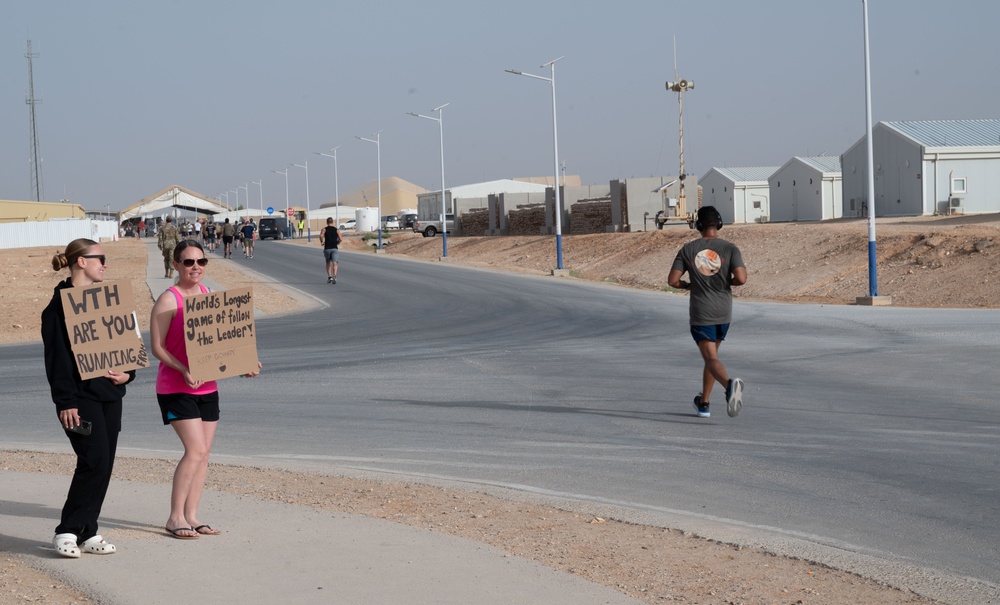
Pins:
x: 97, y: 401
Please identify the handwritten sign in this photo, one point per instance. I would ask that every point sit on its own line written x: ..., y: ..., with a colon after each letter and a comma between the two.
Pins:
x: 219, y: 334
x: 103, y: 329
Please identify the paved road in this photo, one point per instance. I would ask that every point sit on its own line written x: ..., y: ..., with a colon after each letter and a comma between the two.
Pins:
x: 869, y: 435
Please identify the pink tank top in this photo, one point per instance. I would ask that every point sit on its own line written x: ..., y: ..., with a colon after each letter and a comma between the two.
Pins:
x: 169, y: 380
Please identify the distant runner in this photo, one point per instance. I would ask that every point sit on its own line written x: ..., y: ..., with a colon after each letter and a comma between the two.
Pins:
x: 330, y: 239
x: 248, y: 231
x: 228, y: 232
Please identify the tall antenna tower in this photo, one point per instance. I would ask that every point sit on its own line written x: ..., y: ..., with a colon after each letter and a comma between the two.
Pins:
x: 35, y: 173
x: 680, y: 87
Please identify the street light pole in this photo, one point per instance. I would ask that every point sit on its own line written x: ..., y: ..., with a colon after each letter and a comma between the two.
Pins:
x: 870, y: 185
x: 285, y: 173
x: 555, y: 146
x: 260, y: 186
x: 336, y: 183
x: 308, y: 206
x: 444, y: 209
x: 378, y: 149
x: 246, y: 188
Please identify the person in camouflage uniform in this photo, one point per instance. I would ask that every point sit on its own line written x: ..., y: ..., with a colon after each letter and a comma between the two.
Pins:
x: 228, y: 233
x: 167, y: 240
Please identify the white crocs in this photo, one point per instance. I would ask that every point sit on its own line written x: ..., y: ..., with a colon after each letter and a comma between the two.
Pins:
x: 66, y: 545
x: 97, y: 546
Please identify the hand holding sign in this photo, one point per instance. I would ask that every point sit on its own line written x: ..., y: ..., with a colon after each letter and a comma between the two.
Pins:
x: 220, y: 335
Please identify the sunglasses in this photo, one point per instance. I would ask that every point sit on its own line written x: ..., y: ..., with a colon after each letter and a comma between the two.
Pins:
x: 189, y: 262
x: 99, y: 257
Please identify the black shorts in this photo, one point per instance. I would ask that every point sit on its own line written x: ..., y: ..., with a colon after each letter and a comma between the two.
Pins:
x: 184, y: 406
x: 227, y: 239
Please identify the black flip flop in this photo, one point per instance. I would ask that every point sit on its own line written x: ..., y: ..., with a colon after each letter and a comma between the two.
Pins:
x: 174, y: 532
x: 210, y: 532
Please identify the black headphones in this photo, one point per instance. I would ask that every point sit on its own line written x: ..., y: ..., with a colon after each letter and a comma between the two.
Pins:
x: 708, y: 213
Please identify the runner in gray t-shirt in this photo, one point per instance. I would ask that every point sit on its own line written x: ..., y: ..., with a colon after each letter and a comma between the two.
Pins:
x: 713, y: 266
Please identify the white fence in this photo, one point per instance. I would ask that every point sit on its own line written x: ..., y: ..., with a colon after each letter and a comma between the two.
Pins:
x: 55, y: 232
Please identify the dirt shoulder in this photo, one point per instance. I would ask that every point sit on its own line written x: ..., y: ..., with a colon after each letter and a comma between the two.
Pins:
x: 651, y: 564
x: 920, y: 260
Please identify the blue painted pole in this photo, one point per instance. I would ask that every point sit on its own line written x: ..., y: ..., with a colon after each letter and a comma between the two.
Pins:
x: 872, y: 268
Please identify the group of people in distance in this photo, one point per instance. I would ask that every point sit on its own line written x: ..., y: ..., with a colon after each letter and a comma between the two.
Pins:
x: 242, y: 235
x: 90, y: 411
x: 191, y: 407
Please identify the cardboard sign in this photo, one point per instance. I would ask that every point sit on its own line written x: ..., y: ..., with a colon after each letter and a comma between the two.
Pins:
x: 103, y: 329
x: 219, y: 334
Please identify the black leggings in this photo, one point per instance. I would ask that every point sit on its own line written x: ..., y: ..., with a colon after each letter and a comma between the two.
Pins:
x: 95, y: 459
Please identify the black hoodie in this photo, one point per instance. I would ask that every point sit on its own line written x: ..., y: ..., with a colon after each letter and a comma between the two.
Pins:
x: 60, y: 369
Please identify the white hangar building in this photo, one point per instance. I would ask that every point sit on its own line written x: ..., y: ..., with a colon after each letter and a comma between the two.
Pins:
x: 463, y: 197
x: 741, y: 195
x: 925, y: 168
x: 807, y: 189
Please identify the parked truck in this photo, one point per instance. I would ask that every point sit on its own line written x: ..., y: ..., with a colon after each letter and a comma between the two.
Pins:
x: 432, y: 227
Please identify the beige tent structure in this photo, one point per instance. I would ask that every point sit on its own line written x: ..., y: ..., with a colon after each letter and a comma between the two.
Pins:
x: 173, y: 196
x: 397, y: 194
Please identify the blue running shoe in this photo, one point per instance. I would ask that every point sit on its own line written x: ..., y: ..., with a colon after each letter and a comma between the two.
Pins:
x: 701, y: 408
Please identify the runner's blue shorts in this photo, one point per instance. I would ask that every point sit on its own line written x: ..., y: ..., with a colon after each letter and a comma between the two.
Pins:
x: 716, y: 333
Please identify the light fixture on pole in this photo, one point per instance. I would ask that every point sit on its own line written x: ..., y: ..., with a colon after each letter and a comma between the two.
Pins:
x: 260, y: 186
x: 237, y: 192
x: 336, y: 179
x: 287, y: 218
x: 246, y: 188
x: 555, y: 146
x: 308, y: 207
x: 226, y: 194
x: 378, y: 149
x: 444, y: 209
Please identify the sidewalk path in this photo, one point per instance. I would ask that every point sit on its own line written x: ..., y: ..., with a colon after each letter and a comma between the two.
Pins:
x: 272, y: 553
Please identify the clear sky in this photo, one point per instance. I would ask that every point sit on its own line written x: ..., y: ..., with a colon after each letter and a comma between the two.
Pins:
x: 137, y: 95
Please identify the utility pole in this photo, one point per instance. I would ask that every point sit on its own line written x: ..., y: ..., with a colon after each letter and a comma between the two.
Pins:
x: 36, y: 164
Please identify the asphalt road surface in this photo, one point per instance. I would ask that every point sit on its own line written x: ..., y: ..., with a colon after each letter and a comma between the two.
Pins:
x: 867, y: 434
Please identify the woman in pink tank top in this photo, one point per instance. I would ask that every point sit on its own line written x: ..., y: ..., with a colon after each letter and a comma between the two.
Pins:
x: 190, y: 406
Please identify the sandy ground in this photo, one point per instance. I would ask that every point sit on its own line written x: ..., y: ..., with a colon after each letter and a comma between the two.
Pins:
x: 793, y: 262
x: 920, y: 260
